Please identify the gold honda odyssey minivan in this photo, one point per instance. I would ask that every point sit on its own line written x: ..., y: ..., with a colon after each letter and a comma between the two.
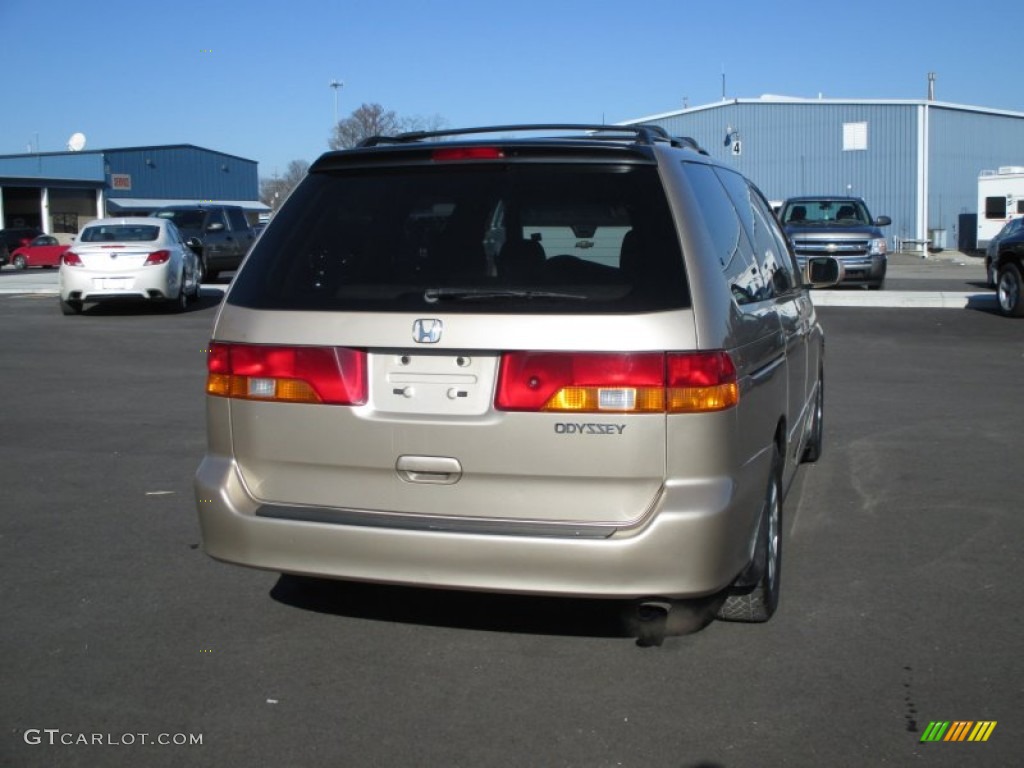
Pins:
x: 551, y: 360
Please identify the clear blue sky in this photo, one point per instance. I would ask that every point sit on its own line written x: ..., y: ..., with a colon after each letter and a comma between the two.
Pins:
x: 252, y: 79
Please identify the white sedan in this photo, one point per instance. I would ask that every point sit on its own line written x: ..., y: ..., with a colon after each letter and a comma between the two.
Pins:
x: 128, y: 259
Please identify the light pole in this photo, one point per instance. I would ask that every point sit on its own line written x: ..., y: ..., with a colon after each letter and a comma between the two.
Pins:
x: 336, y: 84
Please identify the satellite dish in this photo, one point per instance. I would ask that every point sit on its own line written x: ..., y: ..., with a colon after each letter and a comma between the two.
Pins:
x: 77, y: 142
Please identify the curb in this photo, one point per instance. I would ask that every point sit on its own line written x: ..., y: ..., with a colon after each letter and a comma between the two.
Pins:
x: 905, y: 299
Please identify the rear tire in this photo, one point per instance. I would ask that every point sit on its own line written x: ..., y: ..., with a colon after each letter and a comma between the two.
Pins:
x: 1010, y: 291
x: 70, y: 307
x: 200, y: 276
x: 758, y: 603
x: 192, y: 295
x: 180, y: 303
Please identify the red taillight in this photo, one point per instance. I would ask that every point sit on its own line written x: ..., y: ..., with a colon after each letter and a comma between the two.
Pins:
x: 330, y: 375
x: 642, y: 382
x: 157, y: 257
x: 448, y: 154
x: 701, y: 381
x: 71, y: 259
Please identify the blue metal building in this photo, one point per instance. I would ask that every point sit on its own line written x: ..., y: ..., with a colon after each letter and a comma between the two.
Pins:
x: 59, y: 191
x: 917, y: 161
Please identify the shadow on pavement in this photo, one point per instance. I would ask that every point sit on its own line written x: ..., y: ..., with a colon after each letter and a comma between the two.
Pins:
x: 208, y: 299
x: 521, y: 614
x: 984, y: 302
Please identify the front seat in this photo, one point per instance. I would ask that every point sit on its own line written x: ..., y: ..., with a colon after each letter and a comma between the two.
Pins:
x: 520, y: 260
x: 631, y: 254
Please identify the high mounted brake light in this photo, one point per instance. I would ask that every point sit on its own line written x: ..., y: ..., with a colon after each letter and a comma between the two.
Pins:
x: 642, y: 382
x: 449, y: 154
x: 329, y: 375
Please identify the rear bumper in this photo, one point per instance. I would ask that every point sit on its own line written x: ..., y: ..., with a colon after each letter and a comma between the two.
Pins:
x: 693, y: 545
x: 156, y: 282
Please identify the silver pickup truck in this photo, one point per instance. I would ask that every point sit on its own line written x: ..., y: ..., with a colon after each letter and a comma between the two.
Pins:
x: 841, y: 227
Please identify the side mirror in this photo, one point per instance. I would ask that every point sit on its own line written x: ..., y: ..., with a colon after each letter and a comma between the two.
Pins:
x: 883, y: 221
x: 823, y: 272
x: 217, y: 226
x: 195, y: 244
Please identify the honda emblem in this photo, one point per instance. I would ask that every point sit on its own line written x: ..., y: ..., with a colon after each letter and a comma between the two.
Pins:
x: 427, y: 331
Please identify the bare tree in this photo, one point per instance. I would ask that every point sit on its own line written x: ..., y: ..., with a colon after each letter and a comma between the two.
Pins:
x: 274, y: 190
x: 373, y: 120
x: 425, y: 124
x: 368, y: 120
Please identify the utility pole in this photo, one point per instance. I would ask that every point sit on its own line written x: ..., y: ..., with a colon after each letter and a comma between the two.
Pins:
x: 335, y: 85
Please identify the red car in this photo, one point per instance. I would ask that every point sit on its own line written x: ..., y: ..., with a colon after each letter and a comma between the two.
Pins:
x: 44, y: 251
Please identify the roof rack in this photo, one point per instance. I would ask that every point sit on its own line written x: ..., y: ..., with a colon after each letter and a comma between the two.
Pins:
x: 644, y: 134
x: 677, y: 141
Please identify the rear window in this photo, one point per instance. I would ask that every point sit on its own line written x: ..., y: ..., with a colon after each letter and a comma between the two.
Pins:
x: 119, y: 234
x: 515, y: 237
x: 184, y: 219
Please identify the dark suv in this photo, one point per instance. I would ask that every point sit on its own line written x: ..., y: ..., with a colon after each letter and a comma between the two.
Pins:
x: 219, y: 234
x: 841, y: 227
x: 580, y: 363
x: 15, y: 237
x: 1005, y: 262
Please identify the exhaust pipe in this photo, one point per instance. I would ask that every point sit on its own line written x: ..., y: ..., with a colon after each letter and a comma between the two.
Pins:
x: 651, y: 621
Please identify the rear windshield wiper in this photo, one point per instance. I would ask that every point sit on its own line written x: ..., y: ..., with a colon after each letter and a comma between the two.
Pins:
x: 432, y: 295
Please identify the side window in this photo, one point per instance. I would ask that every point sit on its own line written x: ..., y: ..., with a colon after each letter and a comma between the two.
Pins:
x: 995, y: 207
x: 732, y: 246
x: 739, y: 193
x: 215, y: 217
x: 770, y: 250
x: 784, y: 275
x: 237, y: 218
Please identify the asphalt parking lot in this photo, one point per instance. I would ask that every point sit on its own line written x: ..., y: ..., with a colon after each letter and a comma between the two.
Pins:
x: 898, y: 604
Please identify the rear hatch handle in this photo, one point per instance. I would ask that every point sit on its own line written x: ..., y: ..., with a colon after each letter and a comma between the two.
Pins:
x: 438, y: 470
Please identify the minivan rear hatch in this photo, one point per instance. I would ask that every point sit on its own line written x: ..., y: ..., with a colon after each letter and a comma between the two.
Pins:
x: 502, y: 320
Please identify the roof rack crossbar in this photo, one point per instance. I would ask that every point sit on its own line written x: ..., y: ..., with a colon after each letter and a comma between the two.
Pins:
x: 644, y: 134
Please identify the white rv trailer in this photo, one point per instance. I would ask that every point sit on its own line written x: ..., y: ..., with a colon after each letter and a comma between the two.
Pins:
x: 1000, y: 198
